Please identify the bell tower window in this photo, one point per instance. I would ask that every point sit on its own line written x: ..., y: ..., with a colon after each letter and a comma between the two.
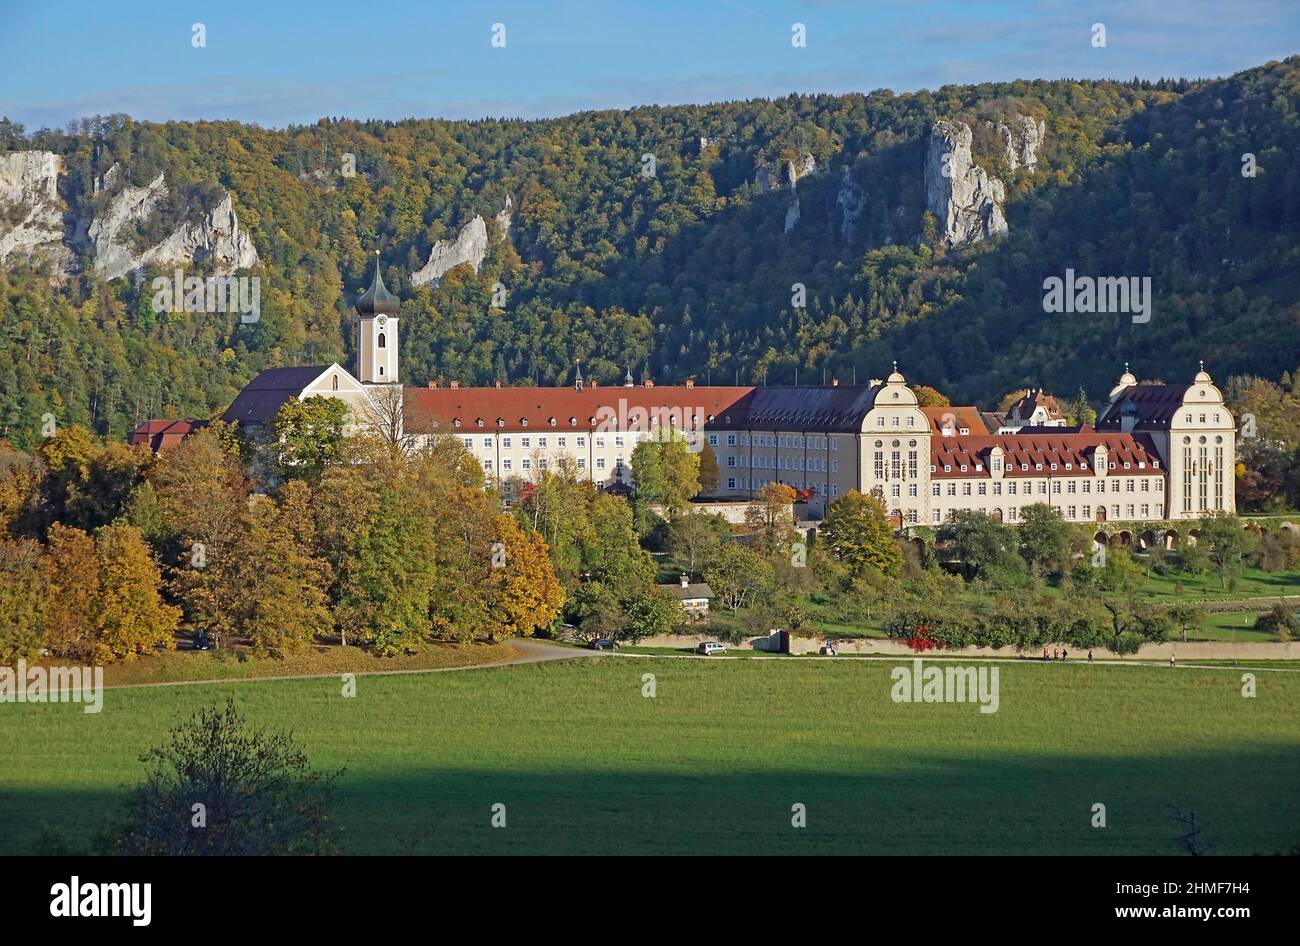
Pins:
x: 382, y: 342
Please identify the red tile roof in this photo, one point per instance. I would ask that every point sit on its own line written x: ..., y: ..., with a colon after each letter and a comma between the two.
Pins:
x: 1023, y: 454
x: 533, y: 409
x: 968, y: 417
x: 159, y: 435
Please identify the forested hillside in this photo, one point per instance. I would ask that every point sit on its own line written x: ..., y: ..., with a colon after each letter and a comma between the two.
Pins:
x: 689, y: 271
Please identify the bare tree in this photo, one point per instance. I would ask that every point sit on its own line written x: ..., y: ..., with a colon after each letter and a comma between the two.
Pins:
x: 384, y: 416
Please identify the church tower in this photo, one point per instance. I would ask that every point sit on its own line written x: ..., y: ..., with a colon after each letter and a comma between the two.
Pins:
x: 377, y: 316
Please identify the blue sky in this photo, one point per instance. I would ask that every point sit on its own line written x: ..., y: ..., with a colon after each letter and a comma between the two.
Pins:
x: 277, y: 62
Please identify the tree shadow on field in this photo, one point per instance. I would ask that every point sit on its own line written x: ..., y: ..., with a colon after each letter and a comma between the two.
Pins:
x: 906, y: 803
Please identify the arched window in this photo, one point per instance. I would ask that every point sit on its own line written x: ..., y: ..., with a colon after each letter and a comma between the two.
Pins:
x: 383, y: 342
x: 335, y: 382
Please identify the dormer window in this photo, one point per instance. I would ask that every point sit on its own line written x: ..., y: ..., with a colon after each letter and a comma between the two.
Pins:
x: 947, y: 468
x: 551, y: 421
x: 501, y: 422
x: 963, y: 467
x: 1038, y: 466
x: 523, y: 422
x: 478, y: 421
x: 573, y: 422
x: 1024, y: 467
x: 456, y: 422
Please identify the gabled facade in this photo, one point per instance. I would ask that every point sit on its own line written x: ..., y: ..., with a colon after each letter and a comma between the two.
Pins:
x: 1193, y: 432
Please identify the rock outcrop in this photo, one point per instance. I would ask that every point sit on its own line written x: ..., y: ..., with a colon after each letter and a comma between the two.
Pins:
x: 470, y: 246
x: 850, y: 201
x: 1021, y: 141
x: 35, y: 222
x: 962, y: 195
x: 216, y: 237
x: 785, y: 175
x: 31, y: 213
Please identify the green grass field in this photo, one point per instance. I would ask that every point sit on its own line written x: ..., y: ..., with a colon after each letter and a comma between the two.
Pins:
x: 713, y: 763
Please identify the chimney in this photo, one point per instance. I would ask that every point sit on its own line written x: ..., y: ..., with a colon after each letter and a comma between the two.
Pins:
x: 595, y: 383
x: 690, y: 382
x: 685, y: 580
x: 453, y: 384
x: 498, y: 385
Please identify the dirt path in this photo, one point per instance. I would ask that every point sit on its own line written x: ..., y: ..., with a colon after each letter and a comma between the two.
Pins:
x: 526, y: 652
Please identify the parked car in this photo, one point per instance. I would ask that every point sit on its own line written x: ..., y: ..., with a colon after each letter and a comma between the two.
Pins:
x: 603, y: 643
x: 202, y: 640
x: 709, y: 648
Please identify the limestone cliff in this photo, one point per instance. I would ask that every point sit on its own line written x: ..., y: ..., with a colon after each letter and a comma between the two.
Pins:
x: 966, y: 200
x: 1021, y: 141
x: 31, y: 212
x: 470, y: 246
x: 216, y: 237
x: 35, y: 222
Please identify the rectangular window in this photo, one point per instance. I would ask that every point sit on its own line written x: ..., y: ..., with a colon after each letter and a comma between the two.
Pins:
x: 618, y: 442
x: 563, y: 442
x: 526, y: 441
x: 983, y: 490
x: 505, y: 464
x: 935, y: 489
x: 541, y: 443
x: 835, y: 443
x: 582, y: 441
x: 997, y: 489
x: 505, y: 442
x: 731, y: 461
x: 912, y: 490
x: 582, y: 463
x: 527, y: 464
x: 731, y: 440
x: 600, y: 463
x: 731, y: 482
x: 600, y: 441
x: 1069, y: 512
x: 952, y: 489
